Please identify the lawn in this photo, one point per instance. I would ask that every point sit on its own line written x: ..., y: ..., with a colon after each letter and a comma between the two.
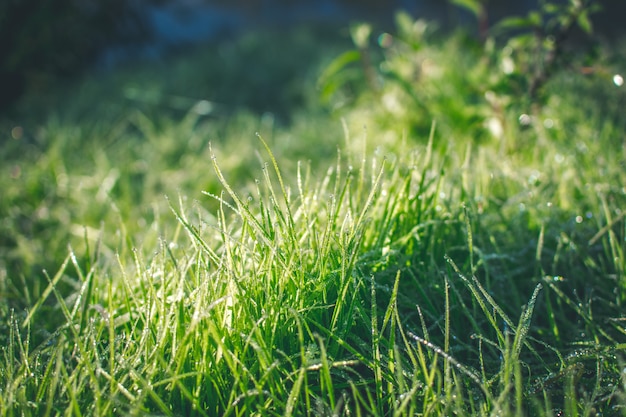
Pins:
x: 347, y: 223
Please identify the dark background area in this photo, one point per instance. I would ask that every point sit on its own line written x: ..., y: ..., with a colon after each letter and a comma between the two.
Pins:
x: 42, y: 41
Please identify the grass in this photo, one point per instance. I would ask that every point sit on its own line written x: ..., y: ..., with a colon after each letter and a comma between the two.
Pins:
x: 419, y: 266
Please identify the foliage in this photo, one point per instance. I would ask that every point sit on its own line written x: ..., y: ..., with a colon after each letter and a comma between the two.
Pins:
x: 107, y: 134
x: 414, y: 268
x: 540, y: 48
x: 411, y: 82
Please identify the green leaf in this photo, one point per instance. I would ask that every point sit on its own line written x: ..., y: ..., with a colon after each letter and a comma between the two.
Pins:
x: 515, y: 23
x: 474, y: 6
x: 410, y: 30
x: 584, y: 23
x: 338, y: 64
x: 404, y: 23
x: 360, y: 34
x: 535, y: 18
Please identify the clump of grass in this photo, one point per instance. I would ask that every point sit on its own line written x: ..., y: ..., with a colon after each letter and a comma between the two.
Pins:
x: 314, y: 299
x: 418, y: 275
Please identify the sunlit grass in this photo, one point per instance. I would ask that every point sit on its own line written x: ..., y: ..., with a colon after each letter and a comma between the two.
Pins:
x: 195, y: 267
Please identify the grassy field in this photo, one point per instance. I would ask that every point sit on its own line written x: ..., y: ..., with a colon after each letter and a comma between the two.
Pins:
x: 285, y: 225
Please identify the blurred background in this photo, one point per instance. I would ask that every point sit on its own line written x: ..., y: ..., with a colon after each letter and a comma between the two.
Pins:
x: 43, y: 41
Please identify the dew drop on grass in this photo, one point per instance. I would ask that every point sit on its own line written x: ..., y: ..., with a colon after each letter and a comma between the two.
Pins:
x: 525, y: 120
x: 618, y: 80
x: 17, y: 132
x: 203, y: 107
x: 534, y: 177
x: 548, y: 123
x: 385, y: 40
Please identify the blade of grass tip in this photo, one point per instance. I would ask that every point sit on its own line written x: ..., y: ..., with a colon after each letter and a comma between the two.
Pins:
x: 470, y: 239
x: 465, y: 370
x: 85, y: 292
x: 13, y: 328
x: 304, y: 209
x: 376, y: 344
x: 464, y: 173
x: 495, y: 307
x: 605, y: 229
x: 325, y: 376
x: 613, y: 240
x: 578, y: 309
x: 180, y: 217
x: 340, y: 310
x: 340, y: 196
x: 225, y: 239
x: 73, y: 393
x: 423, y: 323
x: 80, y: 346
x: 337, y: 174
x: 392, y: 307
x: 426, y: 162
x: 429, y: 146
x: 53, y: 380
x: 540, y: 247
x: 405, y: 341
x: 50, y: 371
x: 52, y: 283
x: 147, y: 387
x: 90, y: 260
x: 111, y: 328
x: 127, y: 289
x: 295, y: 392
x: 446, y: 345
x: 390, y: 319
x: 370, y: 199
x: 481, y: 302
x: 24, y: 347
x: 362, y: 170
x: 463, y: 307
x: 85, y: 297
x: 188, y: 395
x: 283, y: 189
x: 303, y: 358
x: 524, y: 323
x: 243, y: 210
x: 345, y: 345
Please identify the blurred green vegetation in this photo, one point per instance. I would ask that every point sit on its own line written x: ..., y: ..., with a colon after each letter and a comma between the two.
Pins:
x: 106, y: 149
x: 426, y: 234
